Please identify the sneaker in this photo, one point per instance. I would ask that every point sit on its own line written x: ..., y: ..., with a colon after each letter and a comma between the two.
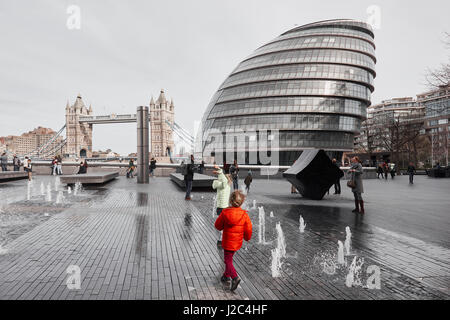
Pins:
x: 219, y: 243
x: 225, y: 279
x: 234, y: 283
x: 188, y: 198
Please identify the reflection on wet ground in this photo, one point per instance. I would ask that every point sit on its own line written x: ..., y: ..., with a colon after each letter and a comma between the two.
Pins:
x: 145, y: 241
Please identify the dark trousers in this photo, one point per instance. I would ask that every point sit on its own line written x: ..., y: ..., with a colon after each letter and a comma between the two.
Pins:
x: 247, y: 188
x: 188, y: 188
x: 235, y: 184
x: 16, y: 168
x: 337, y: 187
x: 230, y: 271
x: 4, y: 167
x: 411, y: 178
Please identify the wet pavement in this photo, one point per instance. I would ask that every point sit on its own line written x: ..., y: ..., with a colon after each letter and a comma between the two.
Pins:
x: 146, y: 242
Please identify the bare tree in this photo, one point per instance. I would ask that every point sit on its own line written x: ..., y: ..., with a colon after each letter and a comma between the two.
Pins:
x: 396, y: 134
x: 440, y: 76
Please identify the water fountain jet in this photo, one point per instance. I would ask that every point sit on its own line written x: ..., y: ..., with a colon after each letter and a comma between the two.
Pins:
x: 340, y: 255
x: 348, y: 239
x: 262, y: 226
x: 302, y: 224
x: 48, y: 197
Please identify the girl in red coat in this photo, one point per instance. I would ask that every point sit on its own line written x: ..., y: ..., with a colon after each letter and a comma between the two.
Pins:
x: 236, y: 226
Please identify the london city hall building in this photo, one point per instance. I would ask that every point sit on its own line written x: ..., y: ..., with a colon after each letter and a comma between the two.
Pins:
x: 311, y: 85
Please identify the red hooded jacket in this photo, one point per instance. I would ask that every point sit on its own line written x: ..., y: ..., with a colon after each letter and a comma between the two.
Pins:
x: 236, y: 226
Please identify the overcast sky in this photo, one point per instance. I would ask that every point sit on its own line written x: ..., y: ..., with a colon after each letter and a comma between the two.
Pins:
x: 126, y: 51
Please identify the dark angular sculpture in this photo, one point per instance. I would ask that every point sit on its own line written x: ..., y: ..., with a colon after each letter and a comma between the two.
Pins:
x: 313, y: 174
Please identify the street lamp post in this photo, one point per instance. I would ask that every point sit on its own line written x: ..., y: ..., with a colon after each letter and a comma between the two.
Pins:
x: 142, y: 144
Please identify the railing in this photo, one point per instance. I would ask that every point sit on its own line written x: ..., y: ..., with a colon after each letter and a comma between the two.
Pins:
x: 108, y: 118
x: 171, y: 165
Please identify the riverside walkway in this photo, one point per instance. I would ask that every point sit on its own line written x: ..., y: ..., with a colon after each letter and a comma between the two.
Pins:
x: 135, y: 241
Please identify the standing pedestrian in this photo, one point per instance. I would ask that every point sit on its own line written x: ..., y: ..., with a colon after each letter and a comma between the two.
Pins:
x: 234, y: 171
x: 411, y: 171
x: 16, y: 163
x: 226, y: 167
x: 201, y: 168
x: 236, y: 226
x: 4, y: 161
x: 337, y: 184
x: 248, y: 181
x: 59, y: 165
x: 152, y: 167
x: 130, y: 169
x: 81, y: 169
x: 85, y: 165
x: 356, y: 184
x: 223, y: 187
x: 54, y: 165
x: 189, y: 177
x: 27, y: 167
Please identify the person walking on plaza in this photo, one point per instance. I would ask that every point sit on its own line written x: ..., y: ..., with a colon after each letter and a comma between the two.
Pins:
x: 27, y: 167
x: 223, y: 186
x: 380, y: 171
x: 236, y: 226
x: 4, y: 161
x: 411, y: 171
x: 16, y: 163
x: 130, y: 169
x: 248, y: 181
x: 356, y: 184
x: 152, y: 167
x: 189, y: 177
x: 234, y: 171
x: 385, y: 169
x: 337, y: 184
x: 392, y: 171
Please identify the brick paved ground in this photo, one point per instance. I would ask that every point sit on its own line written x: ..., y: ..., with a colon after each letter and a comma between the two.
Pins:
x: 146, y: 242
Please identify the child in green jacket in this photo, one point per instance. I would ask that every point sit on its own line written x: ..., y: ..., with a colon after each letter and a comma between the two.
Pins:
x: 223, y: 187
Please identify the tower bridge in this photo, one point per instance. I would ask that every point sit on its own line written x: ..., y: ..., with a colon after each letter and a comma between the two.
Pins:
x: 80, y: 120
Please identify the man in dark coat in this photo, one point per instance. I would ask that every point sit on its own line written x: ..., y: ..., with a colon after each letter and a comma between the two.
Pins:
x: 356, y: 170
x: 411, y: 171
x: 16, y: 163
x: 189, y: 177
x: 337, y: 185
x: 4, y: 161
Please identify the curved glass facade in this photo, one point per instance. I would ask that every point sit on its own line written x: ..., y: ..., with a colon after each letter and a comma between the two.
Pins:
x: 311, y: 85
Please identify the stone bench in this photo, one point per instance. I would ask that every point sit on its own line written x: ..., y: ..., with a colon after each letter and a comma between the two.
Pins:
x: 200, y: 180
x: 12, y: 175
x: 90, y: 178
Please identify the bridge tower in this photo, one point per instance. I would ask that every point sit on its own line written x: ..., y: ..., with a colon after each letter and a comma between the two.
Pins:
x: 161, y: 133
x: 79, y: 135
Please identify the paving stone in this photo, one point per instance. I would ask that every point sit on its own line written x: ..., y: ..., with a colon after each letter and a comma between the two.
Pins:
x: 146, y: 242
